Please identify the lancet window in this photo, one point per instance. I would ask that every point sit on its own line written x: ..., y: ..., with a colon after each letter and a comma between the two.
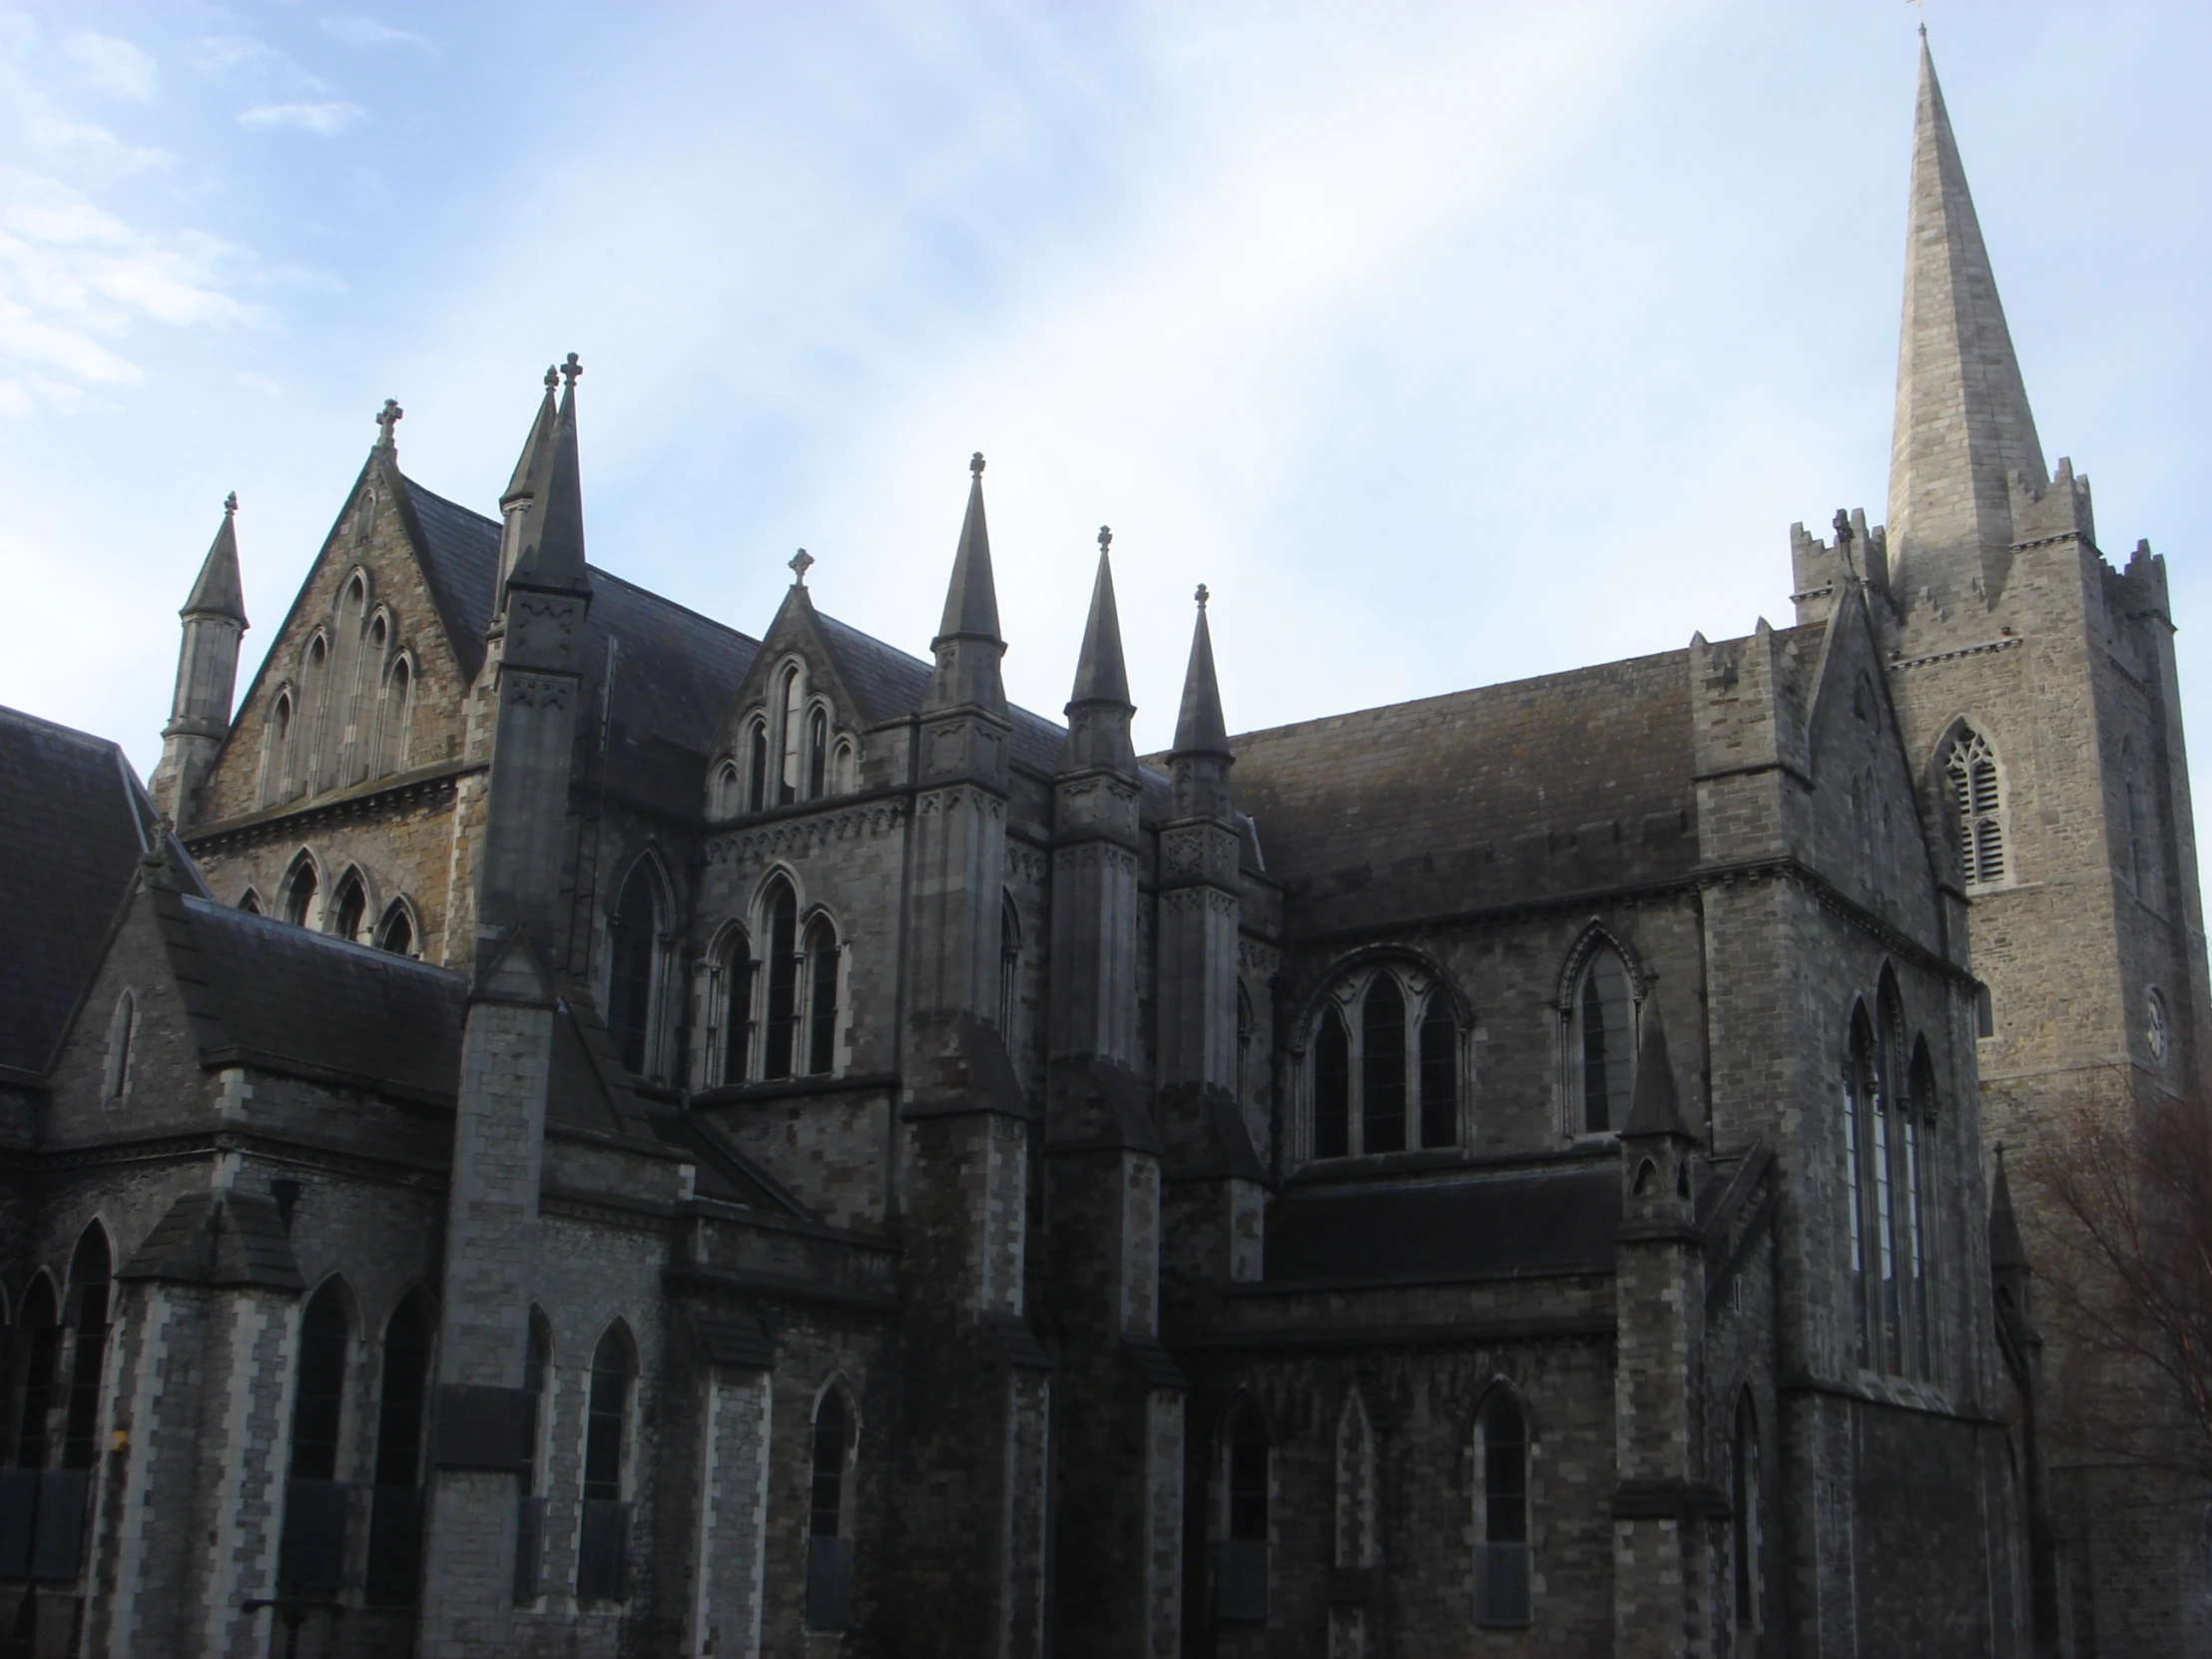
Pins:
x: 1599, y: 1051
x: 828, y: 1514
x: 603, y: 1546
x: 1889, y: 1107
x: 1384, y: 1064
x: 634, y: 971
x: 1502, y: 1575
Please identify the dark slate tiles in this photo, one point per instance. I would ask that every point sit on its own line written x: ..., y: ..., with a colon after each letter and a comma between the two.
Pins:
x: 1475, y: 1229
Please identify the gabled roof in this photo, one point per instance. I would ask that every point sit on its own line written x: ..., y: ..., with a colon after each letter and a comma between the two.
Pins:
x: 73, y: 822
x: 1563, y: 783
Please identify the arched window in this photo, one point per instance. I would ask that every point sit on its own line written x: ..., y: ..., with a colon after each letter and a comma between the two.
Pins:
x: 392, y: 721
x: 733, y: 1011
x: 841, y: 775
x: 299, y: 893
x: 352, y: 908
x: 793, y: 727
x: 1882, y: 1152
x: 311, y: 1553
x: 1385, y: 1065
x: 90, y: 1270
x: 122, y: 1027
x: 395, y: 1514
x: 277, y: 752
x: 821, y: 997
x: 1241, y: 1559
x: 603, y: 1553
x: 1356, y: 1482
x: 1919, y: 1117
x: 828, y: 1548
x: 784, y: 1010
x: 250, y: 902
x: 537, y: 1366
x: 817, y: 755
x: 1977, y: 790
x: 1601, y: 1044
x: 342, y: 754
x: 1248, y: 1025
x: 756, y: 785
x: 42, y: 1327
x: 397, y: 932
x: 1010, y: 968
x: 1502, y: 1577
x: 1860, y: 1086
x: 634, y: 946
x: 1744, y: 1502
x: 314, y: 693
x: 726, y: 798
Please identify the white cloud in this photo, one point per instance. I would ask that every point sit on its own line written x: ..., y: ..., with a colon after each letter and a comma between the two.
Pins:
x: 366, y: 31
x: 113, y: 66
x: 88, y: 141
x: 324, y: 120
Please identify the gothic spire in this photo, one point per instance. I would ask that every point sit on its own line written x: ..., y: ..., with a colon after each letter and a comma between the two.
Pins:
x: 553, y: 532
x: 1199, y: 727
x: 1963, y: 428
x: 219, y: 592
x: 969, y: 646
x: 537, y: 449
x: 1099, y: 708
x: 1656, y: 1108
x: 2005, y: 1249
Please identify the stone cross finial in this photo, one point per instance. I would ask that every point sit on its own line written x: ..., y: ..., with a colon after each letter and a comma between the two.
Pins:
x: 1105, y: 538
x: 386, y: 418
x: 230, y: 503
x: 800, y: 563
x: 975, y: 463
x: 552, y: 375
x: 1201, y: 596
x: 572, y: 370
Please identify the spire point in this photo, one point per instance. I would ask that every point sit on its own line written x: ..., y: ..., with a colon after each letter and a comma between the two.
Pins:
x: 1199, y: 727
x: 1202, y: 596
x: 1105, y: 538
x: 975, y: 465
x: 386, y: 418
x: 231, y: 504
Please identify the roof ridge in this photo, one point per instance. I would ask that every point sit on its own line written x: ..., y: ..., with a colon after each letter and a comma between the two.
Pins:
x: 90, y: 739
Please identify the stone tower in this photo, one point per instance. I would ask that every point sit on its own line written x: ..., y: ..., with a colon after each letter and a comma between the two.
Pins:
x: 2036, y: 685
x: 207, y: 673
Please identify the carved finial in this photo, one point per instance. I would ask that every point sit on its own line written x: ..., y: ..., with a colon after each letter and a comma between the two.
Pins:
x: 230, y: 503
x: 1201, y: 596
x: 386, y: 418
x: 572, y: 370
x: 800, y: 563
x: 552, y: 377
x: 1105, y: 538
x: 1843, y: 527
x: 975, y: 463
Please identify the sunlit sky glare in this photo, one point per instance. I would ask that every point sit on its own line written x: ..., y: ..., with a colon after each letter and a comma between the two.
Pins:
x: 1448, y: 344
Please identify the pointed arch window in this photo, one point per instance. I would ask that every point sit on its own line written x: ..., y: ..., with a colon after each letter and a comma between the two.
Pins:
x: 299, y: 893
x: 537, y: 1366
x: 817, y: 755
x: 603, y: 1552
x: 841, y: 769
x: 1859, y: 1088
x: 1977, y: 791
x: 1385, y: 1067
x: 396, y: 1512
x: 828, y: 1540
x: 756, y: 775
x: 1503, y: 1576
x: 338, y: 765
x: 314, y: 693
x: 391, y: 722
x: 250, y: 902
x: 352, y: 908
x: 1248, y: 1025
x: 397, y: 932
x: 42, y: 1327
x: 1010, y: 968
x: 1750, y: 1572
x: 121, y: 1028
x: 633, y: 960
x: 312, y: 1548
x: 277, y: 752
x: 1241, y: 1558
x: 1919, y: 1117
x: 784, y: 1012
x: 727, y: 798
x: 821, y: 997
x: 794, y: 723
x: 1601, y: 1044
x: 90, y: 1271
x: 731, y: 1016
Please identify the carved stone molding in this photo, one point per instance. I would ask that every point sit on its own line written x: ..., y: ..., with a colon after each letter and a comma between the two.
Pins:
x: 795, y: 837
x: 1262, y: 959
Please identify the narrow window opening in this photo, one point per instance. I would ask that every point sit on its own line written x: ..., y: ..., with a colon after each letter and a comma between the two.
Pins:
x: 1383, y: 1067
x: 829, y: 1551
x: 1248, y: 1025
x: 122, y: 1027
x: 1440, y: 1075
x: 1604, y: 1043
x: 352, y: 907
x: 395, y: 932
x: 42, y: 1323
x: 1978, y: 793
x: 89, y: 1272
x: 395, y: 1511
x: 1745, y: 1520
x: 311, y: 1551
x: 822, y: 998
x: 1503, y: 1568
x: 737, y: 1007
x: 603, y: 1556
x: 1241, y: 1559
x: 786, y: 785
x: 1010, y: 968
x: 1331, y: 1087
x: 631, y: 958
x: 300, y: 894
x: 783, y: 984
x: 392, y: 741
x: 756, y: 786
x: 817, y: 755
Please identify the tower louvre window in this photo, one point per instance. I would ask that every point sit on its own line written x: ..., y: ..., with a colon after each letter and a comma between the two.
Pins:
x: 1977, y: 790
x: 1384, y: 1065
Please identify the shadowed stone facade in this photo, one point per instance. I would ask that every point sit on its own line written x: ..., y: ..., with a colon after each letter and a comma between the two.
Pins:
x: 586, y: 1132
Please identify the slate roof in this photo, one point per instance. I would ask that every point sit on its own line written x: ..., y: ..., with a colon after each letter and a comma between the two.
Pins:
x: 890, y: 685
x: 218, y: 1238
x: 1563, y: 783
x: 72, y: 819
x: 1500, y: 1226
x: 293, y: 1000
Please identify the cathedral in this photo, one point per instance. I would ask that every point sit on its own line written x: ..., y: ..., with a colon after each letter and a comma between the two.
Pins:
x: 552, y: 1126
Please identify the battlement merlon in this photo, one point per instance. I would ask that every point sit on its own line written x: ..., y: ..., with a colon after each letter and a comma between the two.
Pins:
x: 1820, y: 570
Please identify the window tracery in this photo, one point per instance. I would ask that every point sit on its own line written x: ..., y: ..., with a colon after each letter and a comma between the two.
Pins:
x: 1384, y: 1064
x: 1977, y: 791
x: 1599, y: 1024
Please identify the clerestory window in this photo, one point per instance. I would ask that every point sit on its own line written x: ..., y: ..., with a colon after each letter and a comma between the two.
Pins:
x: 1600, y: 1022
x: 1384, y: 1065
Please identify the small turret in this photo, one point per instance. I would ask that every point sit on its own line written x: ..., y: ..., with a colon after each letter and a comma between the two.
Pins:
x: 1656, y: 1145
x: 529, y: 479
x: 1099, y: 708
x: 969, y: 646
x: 2008, y: 1266
x: 1200, y: 759
x: 206, y: 675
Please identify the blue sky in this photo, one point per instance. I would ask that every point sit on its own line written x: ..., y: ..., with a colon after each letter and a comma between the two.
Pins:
x: 1448, y: 344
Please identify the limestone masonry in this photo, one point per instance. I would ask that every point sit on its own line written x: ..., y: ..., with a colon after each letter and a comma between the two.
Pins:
x: 555, y: 1127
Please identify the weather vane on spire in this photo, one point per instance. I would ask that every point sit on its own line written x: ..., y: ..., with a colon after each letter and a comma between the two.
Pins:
x: 386, y: 418
x: 1920, y: 6
x: 800, y: 563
